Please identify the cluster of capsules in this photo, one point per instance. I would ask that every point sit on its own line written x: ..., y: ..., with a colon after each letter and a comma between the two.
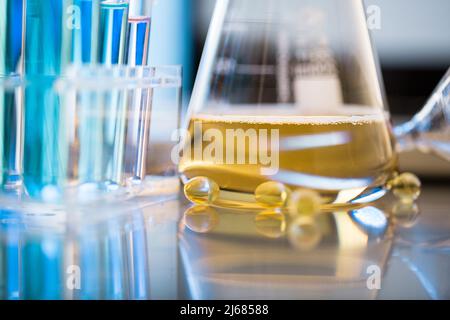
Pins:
x: 302, y: 205
x: 272, y: 194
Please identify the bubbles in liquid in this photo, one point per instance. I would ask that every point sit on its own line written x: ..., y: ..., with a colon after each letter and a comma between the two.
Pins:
x: 201, y: 190
x: 201, y: 219
x: 270, y: 223
x: 405, y: 187
x: 304, y: 233
x: 272, y: 194
x: 304, y: 202
x: 405, y: 214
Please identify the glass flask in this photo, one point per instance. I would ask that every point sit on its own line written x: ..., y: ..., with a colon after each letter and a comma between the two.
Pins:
x: 289, y: 91
x: 429, y: 129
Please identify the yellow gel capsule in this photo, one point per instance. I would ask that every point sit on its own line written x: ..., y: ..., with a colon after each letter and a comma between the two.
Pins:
x: 201, y: 219
x: 272, y: 194
x: 304, y: 233
x: 405, y: 214
x: 405, y: 187
x: 271, y: 223
x: 201, y: 190
x: 304, y: 202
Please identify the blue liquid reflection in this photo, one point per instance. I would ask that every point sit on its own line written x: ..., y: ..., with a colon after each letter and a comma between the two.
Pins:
x: 40, y: 255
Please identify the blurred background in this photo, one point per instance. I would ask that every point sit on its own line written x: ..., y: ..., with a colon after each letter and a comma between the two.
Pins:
x: 413, y: 45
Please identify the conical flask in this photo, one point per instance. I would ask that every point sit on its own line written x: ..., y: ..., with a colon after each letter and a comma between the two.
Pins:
x: 289, y: 91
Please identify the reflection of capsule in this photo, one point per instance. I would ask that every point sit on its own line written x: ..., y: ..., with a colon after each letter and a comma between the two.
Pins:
x: 201, y: 219
x: 304, y: 233
x: 270, y: 223
x: 405, y: 214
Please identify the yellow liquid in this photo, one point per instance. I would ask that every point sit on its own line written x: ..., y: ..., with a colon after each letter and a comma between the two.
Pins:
x: 329, y: 154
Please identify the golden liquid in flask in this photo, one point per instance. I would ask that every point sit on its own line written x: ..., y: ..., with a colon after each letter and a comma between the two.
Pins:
x: 339, y: 156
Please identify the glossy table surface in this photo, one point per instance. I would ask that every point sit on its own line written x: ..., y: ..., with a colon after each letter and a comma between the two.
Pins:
x: 162, y: 248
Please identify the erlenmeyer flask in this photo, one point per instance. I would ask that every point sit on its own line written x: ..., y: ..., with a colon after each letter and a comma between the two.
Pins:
x: 289, y: 91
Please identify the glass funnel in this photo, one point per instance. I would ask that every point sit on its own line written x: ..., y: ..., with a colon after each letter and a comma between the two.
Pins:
x: 290, y: 91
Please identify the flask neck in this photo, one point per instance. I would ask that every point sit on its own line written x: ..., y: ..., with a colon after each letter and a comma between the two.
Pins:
x: 429, y: 129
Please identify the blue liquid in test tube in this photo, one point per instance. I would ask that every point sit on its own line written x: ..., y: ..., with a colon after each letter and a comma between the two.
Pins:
x: 138, y: 40
x: 11, y: 40
x: 11, y: 63
x: 113, y: 28
x: 85, y: 31
x: 59, y: 33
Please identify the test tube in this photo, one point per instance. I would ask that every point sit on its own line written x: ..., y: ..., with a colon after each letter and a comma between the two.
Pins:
x: 139, y: 105
x: 113, y: 28
x: 111, y: 51
x: 48, y: 50
x: 11, y: 40
x: 138, y: 40
x: 85, y: 31
x: 11, y: 63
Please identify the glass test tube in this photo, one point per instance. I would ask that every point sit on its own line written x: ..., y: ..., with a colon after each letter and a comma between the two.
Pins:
x: 59, y: 32
x: 113, y: 28
x: 11, y: 40
x: 11, y: 116
x: 139, y: 105
x: 85, y: 31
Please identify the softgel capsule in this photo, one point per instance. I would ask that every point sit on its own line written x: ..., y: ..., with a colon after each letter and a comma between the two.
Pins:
x: 201, y: 190
x: 272, y: 194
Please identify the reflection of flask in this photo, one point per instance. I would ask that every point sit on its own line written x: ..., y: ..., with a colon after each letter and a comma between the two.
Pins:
x: 237, y: 251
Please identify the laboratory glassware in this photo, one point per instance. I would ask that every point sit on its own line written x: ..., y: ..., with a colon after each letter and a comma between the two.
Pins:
x: 290, y: 91
x: 78, y: 151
